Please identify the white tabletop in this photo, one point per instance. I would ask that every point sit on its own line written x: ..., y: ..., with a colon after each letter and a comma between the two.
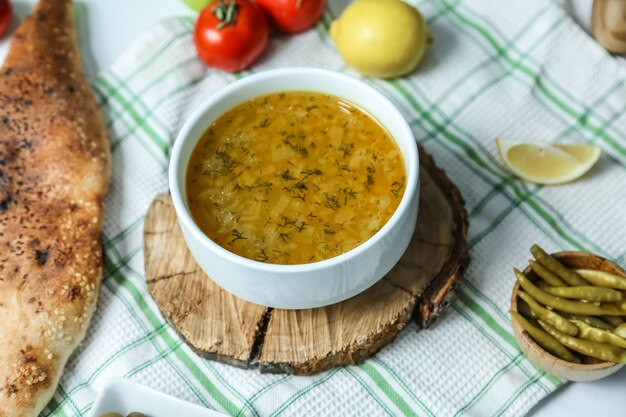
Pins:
x: 112, y: 25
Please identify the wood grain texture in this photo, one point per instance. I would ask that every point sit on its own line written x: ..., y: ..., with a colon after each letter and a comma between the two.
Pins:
x: 220, y: 326
x: 216, y: 324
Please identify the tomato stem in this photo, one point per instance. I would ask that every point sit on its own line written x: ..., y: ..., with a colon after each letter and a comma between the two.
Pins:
x: 226, y: 13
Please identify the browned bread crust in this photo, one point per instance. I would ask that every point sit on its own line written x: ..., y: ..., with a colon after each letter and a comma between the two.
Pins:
x: 54, y: 170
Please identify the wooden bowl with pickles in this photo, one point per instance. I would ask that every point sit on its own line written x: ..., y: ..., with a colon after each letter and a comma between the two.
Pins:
x: 568, y: 314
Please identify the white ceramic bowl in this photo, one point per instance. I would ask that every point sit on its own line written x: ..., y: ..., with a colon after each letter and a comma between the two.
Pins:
x: 307, y: 285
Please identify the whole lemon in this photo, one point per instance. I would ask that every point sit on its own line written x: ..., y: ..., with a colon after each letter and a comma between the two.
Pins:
x: 381, y: 38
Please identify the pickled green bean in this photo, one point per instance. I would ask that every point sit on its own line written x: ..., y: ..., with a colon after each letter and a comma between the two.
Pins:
x: 585, y: 292
x: 590, y: 320
x: 598, y: 335
x: 573, y: 307
x: 549, y: 316
x: 543, y: 339
x: 546, y: 275
x: 569, y: 276
x: 524, y: 309
x: 620, y: 331
x: 596, y: 350
x: 613, y: 320
x: 603, y: 279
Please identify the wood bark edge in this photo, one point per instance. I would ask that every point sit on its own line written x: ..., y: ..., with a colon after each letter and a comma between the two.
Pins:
x: 439, y: 293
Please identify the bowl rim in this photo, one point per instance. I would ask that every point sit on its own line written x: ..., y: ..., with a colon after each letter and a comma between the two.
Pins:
x: 410, y: 158
x: 586, y: 367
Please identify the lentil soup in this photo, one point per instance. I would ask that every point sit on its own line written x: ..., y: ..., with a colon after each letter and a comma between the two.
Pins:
x: 294, y: 178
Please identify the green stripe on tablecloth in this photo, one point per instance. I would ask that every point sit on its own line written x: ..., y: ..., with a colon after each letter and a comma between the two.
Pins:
x: 159, y: 52
x: 385, y: 387
x: 162, y: 355
x: 486, y: 317
x: 114, y: 268
x: 493, y: 82
x: 154, y: 83
x: 100, y: 83
x: 187, y: 25
x: 468, y: 76
x: 110, y: 359
x: 402, y: 384
x: 588, y: 110
x: 480, y: 310
x: 490, y: 384
x: 445, y: 132
x: 491, y: 194
x: 327, y: 376
x: 540, y: 84
x: 246, y: 403
x: 371, y: 393
x: 54, y: 404
x: 262, y: 391
x: 483, y: 330
x: 124, y: 233
x: 208, y: 365
x: 618, y: 113
x: 136, y: 103
x: 467, y: 150
x: 324, y: 24
x: 468, y: 284
x: 140, y: 367
x: 516, y: 203
x: 581, y: 240
x: 134, y: 114
x: 519, y: 392
x: 68, y: 400
x: 156, y: 105
x: 557, y: 223
x: 581, y: 117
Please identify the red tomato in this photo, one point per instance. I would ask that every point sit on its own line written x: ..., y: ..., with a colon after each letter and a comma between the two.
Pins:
x: 231, y: 34
x: 6, y: 13
x: 293, y: 16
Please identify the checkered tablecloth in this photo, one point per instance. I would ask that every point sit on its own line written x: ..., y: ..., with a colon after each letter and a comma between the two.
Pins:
x: 515, y: 69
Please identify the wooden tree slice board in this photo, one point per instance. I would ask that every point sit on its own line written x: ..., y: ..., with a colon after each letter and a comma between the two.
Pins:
x: 222, y: 327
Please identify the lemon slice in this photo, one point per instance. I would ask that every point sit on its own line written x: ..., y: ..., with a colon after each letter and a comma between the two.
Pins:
x: 548, y: 164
